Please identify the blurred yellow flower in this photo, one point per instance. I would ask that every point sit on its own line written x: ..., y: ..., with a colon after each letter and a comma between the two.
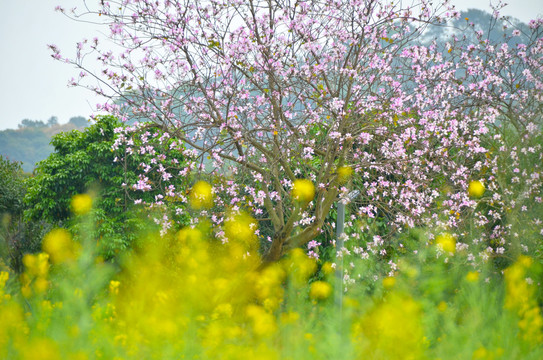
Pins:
x: 81, y: 204
x: 446, y: 242
x: 300, y: 266
x: 521, y: 298
x: 189, y: 236
x: 290, y: 317
x: 41, y: 285
x: 320, y: 290
x: 36, y: 265
x: 4, y: 276
x: 223, y: 310
x: 114, y: 287
x: 344, y: 173
x: 41, y: 348
x: 240, y: 228
x: 201, y: 196
x: 263, y: 322
x: 392, y: 330
x: 327, y: 268
x: 472, y: 276
x: 389, y: 282
x: 303, y: 190
x: 476, y: 189
x: 480, y: 353
x: 59, y: 245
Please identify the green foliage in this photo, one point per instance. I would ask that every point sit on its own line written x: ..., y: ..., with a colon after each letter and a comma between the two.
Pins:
x: 12, y: 190
x: 11, y: 187
x: 15, y: 235
x: 83, y: 161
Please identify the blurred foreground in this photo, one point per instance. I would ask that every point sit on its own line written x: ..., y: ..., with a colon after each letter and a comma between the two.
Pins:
x: 190, y: 296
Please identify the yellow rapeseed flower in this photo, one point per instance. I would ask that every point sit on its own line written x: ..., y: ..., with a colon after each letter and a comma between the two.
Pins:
x: 81, y: 204
x: 476, y: 189
x: 201, y: 196
x: 269, y: 283
x: 4, y: 276
x: 189, y: 236
x: 41, y: 285
x: 446, y: 242
x: 327, y: 268
x: 300, y: 266
x: 472, y: 276
x: 240, y: 228
x: 392, y: 330
x: 59, y: 245
x: 36, y: 265
x: 320, y: 290
x: 114, y: 287
x: 41, y: 348
x: 290, y: 317
x: 389, y: 282
x: 480, y: 353
x: 263, y: 322
x: 521, y: 298
x: 344, y: 173
x: 303, y: 190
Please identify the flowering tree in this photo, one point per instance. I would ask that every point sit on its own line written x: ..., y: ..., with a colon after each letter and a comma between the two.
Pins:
x: 280, y: 90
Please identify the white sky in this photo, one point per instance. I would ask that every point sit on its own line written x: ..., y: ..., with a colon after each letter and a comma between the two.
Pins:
x: 34, y: 86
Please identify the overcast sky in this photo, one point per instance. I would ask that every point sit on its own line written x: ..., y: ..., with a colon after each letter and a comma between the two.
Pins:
x: 34, y: 86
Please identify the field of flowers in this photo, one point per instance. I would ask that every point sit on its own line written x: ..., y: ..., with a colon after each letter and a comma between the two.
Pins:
x: 188, y: 295
x: 202, y: 218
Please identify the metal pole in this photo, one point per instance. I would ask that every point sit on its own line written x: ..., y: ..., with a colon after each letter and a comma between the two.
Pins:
x: 340, y: 229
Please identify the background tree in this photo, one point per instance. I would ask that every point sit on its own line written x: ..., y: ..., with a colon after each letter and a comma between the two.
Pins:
x: 15, y: 236
x: 83, y: 161
x: 286, y: 90
x: 78, y: 121
x: 27, y: 123
x: 12, y: 188
x: 53, y: 120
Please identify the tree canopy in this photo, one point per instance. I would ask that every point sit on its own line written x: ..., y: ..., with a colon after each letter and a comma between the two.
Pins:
x: 314, y: 89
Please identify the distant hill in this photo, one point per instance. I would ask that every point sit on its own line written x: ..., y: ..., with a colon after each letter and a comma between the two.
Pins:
x: 30, y: 142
